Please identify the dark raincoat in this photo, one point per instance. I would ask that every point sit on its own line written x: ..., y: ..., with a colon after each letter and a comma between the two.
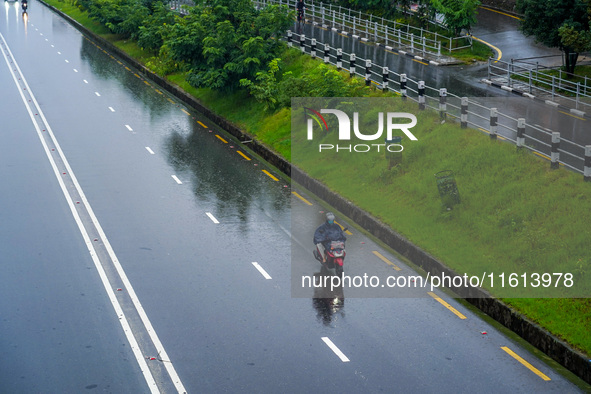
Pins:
x: 328, y: 232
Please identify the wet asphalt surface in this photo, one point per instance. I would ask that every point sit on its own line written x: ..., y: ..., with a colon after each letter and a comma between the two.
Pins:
x: 186, y: 216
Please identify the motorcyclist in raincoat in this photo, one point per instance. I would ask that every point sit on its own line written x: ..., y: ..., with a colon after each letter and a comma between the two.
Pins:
x: 327, y: 232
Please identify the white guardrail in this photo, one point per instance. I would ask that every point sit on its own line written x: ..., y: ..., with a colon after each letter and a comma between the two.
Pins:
x: 378, y: 29
x: 531, y: 78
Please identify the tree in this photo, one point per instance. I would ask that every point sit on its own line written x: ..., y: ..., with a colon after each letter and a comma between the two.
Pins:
x: 120, y: 16
x: 265, y: 89
x: 154, y: 28
x: 458, y: 14
x: 562, y: 24
x: 223, y: 41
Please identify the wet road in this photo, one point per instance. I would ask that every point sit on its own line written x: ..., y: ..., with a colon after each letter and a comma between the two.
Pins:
x: 131, y: 226
x: 502, y: 31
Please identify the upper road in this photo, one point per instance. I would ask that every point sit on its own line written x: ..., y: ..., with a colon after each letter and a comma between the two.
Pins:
x: 143, y: 249
x: 502, y: 31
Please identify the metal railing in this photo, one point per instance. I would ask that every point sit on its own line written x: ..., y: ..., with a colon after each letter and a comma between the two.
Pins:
x: 467, y: 111
x: 369, y: 27
x: 532, y: 77
x: 377, y: 29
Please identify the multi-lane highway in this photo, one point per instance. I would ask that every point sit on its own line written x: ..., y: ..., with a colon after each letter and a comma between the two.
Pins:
x: 142, y: 249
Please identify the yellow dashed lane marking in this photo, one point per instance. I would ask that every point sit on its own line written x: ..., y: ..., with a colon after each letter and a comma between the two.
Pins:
x: 343, y: 227
x: 243, y: 155
x: 223, y: 140
x: 445, y: 304
x: 185, y: 111
x: 271, y: 175
x: 574, y: 116
x: 202, y: 125
x: 525, y: 363
x: 301, y: 198
x: 545, y: 157
x: 385, y: 260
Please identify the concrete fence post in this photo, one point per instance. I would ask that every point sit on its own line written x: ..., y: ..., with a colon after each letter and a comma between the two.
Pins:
x: 520, y: 133
x: 442, y: 103
x: 385, y: 73
x: 587, y: 169
x: 403, y: 85
x: 326, y: 53
x: 313, y: 48
x: 352, y: 65
x: 289, y: 37
x: 339, y: 58
x: 421, y: 89
x: 464, y: 113
x: 554, y: 154
x: 367, y: 72
x: 302, y: 43
x: 494, y: 119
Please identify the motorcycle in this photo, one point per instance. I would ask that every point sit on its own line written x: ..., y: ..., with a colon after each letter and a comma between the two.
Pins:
x: 335, y: 256
x: 25, y: 5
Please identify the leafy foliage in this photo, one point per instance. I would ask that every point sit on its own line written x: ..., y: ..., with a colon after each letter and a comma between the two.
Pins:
x: 458, y: 14
x: 224, y: 41
x: 120, y: 16
x: 319, y: 81
x: 265, y: 89
x: 561, y: 24
x: 154, y: 28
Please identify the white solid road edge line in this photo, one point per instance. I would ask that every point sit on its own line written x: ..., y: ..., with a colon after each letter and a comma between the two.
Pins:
x: 141, y: 312
x: 108, y: 287
x: 261, y: 270
x: 335, y: 349
x: 149, y: 150
x: 213, y: 219
x: 176, y: 179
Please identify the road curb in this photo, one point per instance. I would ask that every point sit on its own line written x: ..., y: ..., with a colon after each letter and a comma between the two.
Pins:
x: 410, y: 55
x: 533, y: 97
x: 558, y: 350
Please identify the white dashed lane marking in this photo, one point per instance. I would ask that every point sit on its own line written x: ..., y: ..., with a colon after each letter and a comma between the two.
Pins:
x: 176, y: 179
x: 335, y: 349
x: 261, y: 270
x: 213, y: 219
